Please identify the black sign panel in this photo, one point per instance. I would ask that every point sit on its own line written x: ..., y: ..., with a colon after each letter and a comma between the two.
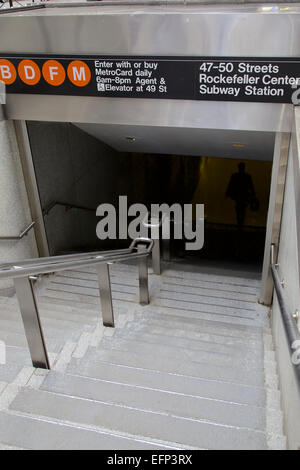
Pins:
x: 184, y: 78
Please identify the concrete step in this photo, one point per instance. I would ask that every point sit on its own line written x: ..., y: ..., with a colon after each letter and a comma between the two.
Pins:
x: 249, y: 364
x: 222, y: 280
x: 177, y: 366
x: 92, y: 285
x: 203, y: 299
x: 8, y: 372
x: 19, y: 356
x: 94, y: 310
x: 136, y: 422
x: 91, y: 366
x: 93, y: 303
x: 118, y: 270
x: 54, y: 342
x: 36, y: 433
x: 212, y: 336
x: 209, y: 286
x: 11, y: 320
x: 85, y: 294
x: 117, y: 277
x: 177, y: 319
x: 58, y: 311
x: 6, y: 447
x: 187, y: 371
x: 155, y: 400
x: 207, y: 290
x: 133, y: 331
x: 208, y: 312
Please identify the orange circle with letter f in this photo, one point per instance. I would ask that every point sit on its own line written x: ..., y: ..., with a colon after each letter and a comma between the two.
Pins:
x: 53, y: 72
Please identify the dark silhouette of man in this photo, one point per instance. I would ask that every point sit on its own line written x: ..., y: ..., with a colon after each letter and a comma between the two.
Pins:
x: 241, y: 190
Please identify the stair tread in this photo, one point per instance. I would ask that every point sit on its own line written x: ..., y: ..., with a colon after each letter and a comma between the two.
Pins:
x: 186, y: 371
x: 45, y: 434
x: 167, y: 364
x: 54, y: 342
x: 171, y: 317
x: 163, y: 380
x: 249, y: 364
x: 205, y: 311
x: 8, y: 372
x: 221, y: 279
x: 166, y: 427
x: 204, y: 299
x: 151, y: 399
x: 212, y: 335
x: 213, y: 291
x: 208, y: 343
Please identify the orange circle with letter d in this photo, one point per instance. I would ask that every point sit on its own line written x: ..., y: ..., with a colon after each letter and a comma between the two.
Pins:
x: 53, y: 72
x: 79, y: 73
x: 8, y: 73
x: 29, y: 72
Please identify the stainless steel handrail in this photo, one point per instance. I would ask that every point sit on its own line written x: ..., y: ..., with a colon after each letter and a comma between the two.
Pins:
x: 59, y: 258
x: 290, y: 326
x: 22, y: 273
x: 20, y: 236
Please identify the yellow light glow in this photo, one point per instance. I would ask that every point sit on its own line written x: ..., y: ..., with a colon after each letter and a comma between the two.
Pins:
x: 238, y: 145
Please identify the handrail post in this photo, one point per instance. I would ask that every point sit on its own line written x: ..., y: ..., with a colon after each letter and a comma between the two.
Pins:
x: 272, y: 254
x: 143, y: 276
x: 166, y: 242
x: 105, y: 294
x: 31, y: 321
x: 156, y: 257
x: 154, y: 224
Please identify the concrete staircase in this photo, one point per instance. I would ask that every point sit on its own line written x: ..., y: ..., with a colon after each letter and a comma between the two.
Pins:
x: 193, y: 370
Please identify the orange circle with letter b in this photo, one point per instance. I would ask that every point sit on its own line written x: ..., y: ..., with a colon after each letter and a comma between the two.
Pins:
x: 53, y: 72
x: 29, y: 72
x: 8, y: 72
x: 79, y: 73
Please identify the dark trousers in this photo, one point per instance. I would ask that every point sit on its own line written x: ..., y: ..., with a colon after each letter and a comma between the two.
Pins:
x: 240, y: 209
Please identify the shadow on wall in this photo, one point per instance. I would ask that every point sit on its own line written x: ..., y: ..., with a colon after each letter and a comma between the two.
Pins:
x: 150, y: 178
x: 214, y: 178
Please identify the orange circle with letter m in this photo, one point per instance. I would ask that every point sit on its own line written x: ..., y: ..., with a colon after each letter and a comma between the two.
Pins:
x: 79, y: 73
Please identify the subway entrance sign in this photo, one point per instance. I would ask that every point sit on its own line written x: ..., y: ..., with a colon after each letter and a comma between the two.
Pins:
x: 269, y: 80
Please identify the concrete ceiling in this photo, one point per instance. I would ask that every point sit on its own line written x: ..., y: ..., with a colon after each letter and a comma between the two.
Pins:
x: 184, y: 141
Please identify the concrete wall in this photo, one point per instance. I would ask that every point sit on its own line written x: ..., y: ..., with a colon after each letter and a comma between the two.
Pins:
x: 289, y: 271
x: 72, y: 167
x: 14, y: 208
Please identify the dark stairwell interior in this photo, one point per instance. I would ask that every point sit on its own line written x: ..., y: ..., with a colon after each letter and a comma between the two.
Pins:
x: 76, y: 172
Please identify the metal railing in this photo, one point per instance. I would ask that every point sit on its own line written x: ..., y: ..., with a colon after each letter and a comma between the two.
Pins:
x: 23, y: 272
x: 290, y: 326
x: 20, y: 236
